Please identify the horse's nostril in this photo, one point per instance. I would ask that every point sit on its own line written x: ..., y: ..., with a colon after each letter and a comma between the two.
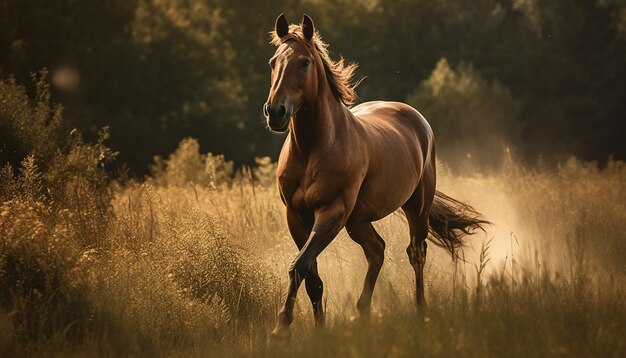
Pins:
x: 275, y: 111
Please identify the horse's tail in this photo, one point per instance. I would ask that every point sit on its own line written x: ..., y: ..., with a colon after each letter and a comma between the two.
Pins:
x: 450, y: 220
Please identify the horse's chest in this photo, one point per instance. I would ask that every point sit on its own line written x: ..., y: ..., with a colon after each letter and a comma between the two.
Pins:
x: 292, y: 190
x: 312, y: 190
x: 297, y: 199
x: 317, y: 181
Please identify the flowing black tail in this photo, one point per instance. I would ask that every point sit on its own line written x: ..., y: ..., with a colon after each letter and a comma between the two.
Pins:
x: 450, y: 220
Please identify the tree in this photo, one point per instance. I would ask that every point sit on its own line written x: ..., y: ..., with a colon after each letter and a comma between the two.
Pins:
x: 473, y: 120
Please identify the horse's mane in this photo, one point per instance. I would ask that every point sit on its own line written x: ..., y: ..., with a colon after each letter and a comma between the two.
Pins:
x: 338, y: 73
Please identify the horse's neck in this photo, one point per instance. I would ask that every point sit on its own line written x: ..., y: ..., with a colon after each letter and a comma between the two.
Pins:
x: 319, y: 125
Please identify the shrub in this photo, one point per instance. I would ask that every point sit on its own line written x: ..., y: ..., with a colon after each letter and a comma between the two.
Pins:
x: 473, y: 120
x: 38, y: 251
x: 28, y: 126
x: 186, y: 165
x: 265, y: 171
x: 53, y: 209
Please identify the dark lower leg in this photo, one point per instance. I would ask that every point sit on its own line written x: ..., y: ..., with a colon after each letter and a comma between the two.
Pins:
x: 417, y: 257
x: 328, y: 222
x: 299, y: 269
x: 315, y: 290
x: 375, y: 257
x: 374, y: 250
x: 365, y: 301
x: 285, y: 315
x: 421, y: 262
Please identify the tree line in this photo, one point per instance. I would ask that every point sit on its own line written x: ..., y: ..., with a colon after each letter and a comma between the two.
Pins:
x: 543, y: 78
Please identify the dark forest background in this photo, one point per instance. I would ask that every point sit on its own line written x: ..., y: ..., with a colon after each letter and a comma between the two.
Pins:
x: 546, y: 79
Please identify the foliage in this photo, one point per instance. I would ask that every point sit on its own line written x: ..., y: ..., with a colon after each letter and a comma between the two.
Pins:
x: 199, y: 270
x: 38, y: 251
x: 157, y: 71
x: 70, y: 245
x: 476, y: 119
x: 265, y: 171
x: 186, y: 165
x: 28, y: 127
x: 194, y: 261
x: 64, y: 172
x: 94, y: 267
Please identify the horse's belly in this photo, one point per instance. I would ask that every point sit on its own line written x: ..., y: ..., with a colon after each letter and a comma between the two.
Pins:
x: 382, y: 195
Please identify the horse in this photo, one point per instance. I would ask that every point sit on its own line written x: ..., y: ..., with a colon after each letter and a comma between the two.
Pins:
x: 344, y: 167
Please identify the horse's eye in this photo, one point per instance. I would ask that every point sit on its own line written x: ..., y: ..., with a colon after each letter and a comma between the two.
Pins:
x: 305, y: 63
x: 272, y: 63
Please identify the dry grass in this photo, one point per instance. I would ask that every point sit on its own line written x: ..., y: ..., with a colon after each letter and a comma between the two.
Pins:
x: 182, y: 269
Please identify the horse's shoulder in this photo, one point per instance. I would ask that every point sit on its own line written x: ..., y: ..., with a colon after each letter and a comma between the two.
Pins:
x: 289, y: 164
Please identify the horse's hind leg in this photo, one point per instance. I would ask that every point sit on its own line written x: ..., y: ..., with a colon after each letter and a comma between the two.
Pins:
x: 315, y: 290
x: 374, y: 249
x: 417, y: 209
x: 418, y: 227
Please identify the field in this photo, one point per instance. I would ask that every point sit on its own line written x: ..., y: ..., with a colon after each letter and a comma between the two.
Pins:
x: 169, y: 267
x: 121, y: 236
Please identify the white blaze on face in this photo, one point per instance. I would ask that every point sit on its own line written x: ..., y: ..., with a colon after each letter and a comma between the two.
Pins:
x: 283, y: 52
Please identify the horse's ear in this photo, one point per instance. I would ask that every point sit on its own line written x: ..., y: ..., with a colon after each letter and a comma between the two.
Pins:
x: 281, y: 27
x: 307, y: 27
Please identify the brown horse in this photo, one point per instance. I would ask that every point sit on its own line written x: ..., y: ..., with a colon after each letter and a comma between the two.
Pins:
x: 342, y: 167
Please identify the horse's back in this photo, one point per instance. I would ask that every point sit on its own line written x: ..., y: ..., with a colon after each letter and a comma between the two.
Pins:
x: 394, y: 115
x: 387, y: 121
x: 400, y: 144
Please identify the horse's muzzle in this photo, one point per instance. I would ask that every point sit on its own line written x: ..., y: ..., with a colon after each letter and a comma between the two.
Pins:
x: 277, y: 116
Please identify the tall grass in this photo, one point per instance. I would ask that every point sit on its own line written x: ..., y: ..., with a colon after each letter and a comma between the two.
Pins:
x: 199, y: 269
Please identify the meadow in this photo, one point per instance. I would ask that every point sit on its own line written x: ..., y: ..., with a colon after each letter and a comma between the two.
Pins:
x: 192, y: 261
x: 101, y: 256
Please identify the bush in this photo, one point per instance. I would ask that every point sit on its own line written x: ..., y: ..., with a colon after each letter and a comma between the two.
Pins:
x: 186, y: 165
x: 182, y: 237
x: 265, y: 171
x: 473, y: 120
x: 28, y: 126
x: 38, y: 251
x: 89, y: 262
x: 53, y: 209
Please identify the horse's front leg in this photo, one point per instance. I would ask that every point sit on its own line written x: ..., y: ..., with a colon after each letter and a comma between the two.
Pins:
x: 328, y: 221
x: 300, y: 227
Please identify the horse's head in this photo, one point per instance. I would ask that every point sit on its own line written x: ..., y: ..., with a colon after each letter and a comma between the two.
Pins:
x: 295, y: 72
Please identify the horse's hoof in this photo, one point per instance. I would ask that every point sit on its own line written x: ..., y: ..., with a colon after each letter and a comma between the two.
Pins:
x: 280, y: 333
